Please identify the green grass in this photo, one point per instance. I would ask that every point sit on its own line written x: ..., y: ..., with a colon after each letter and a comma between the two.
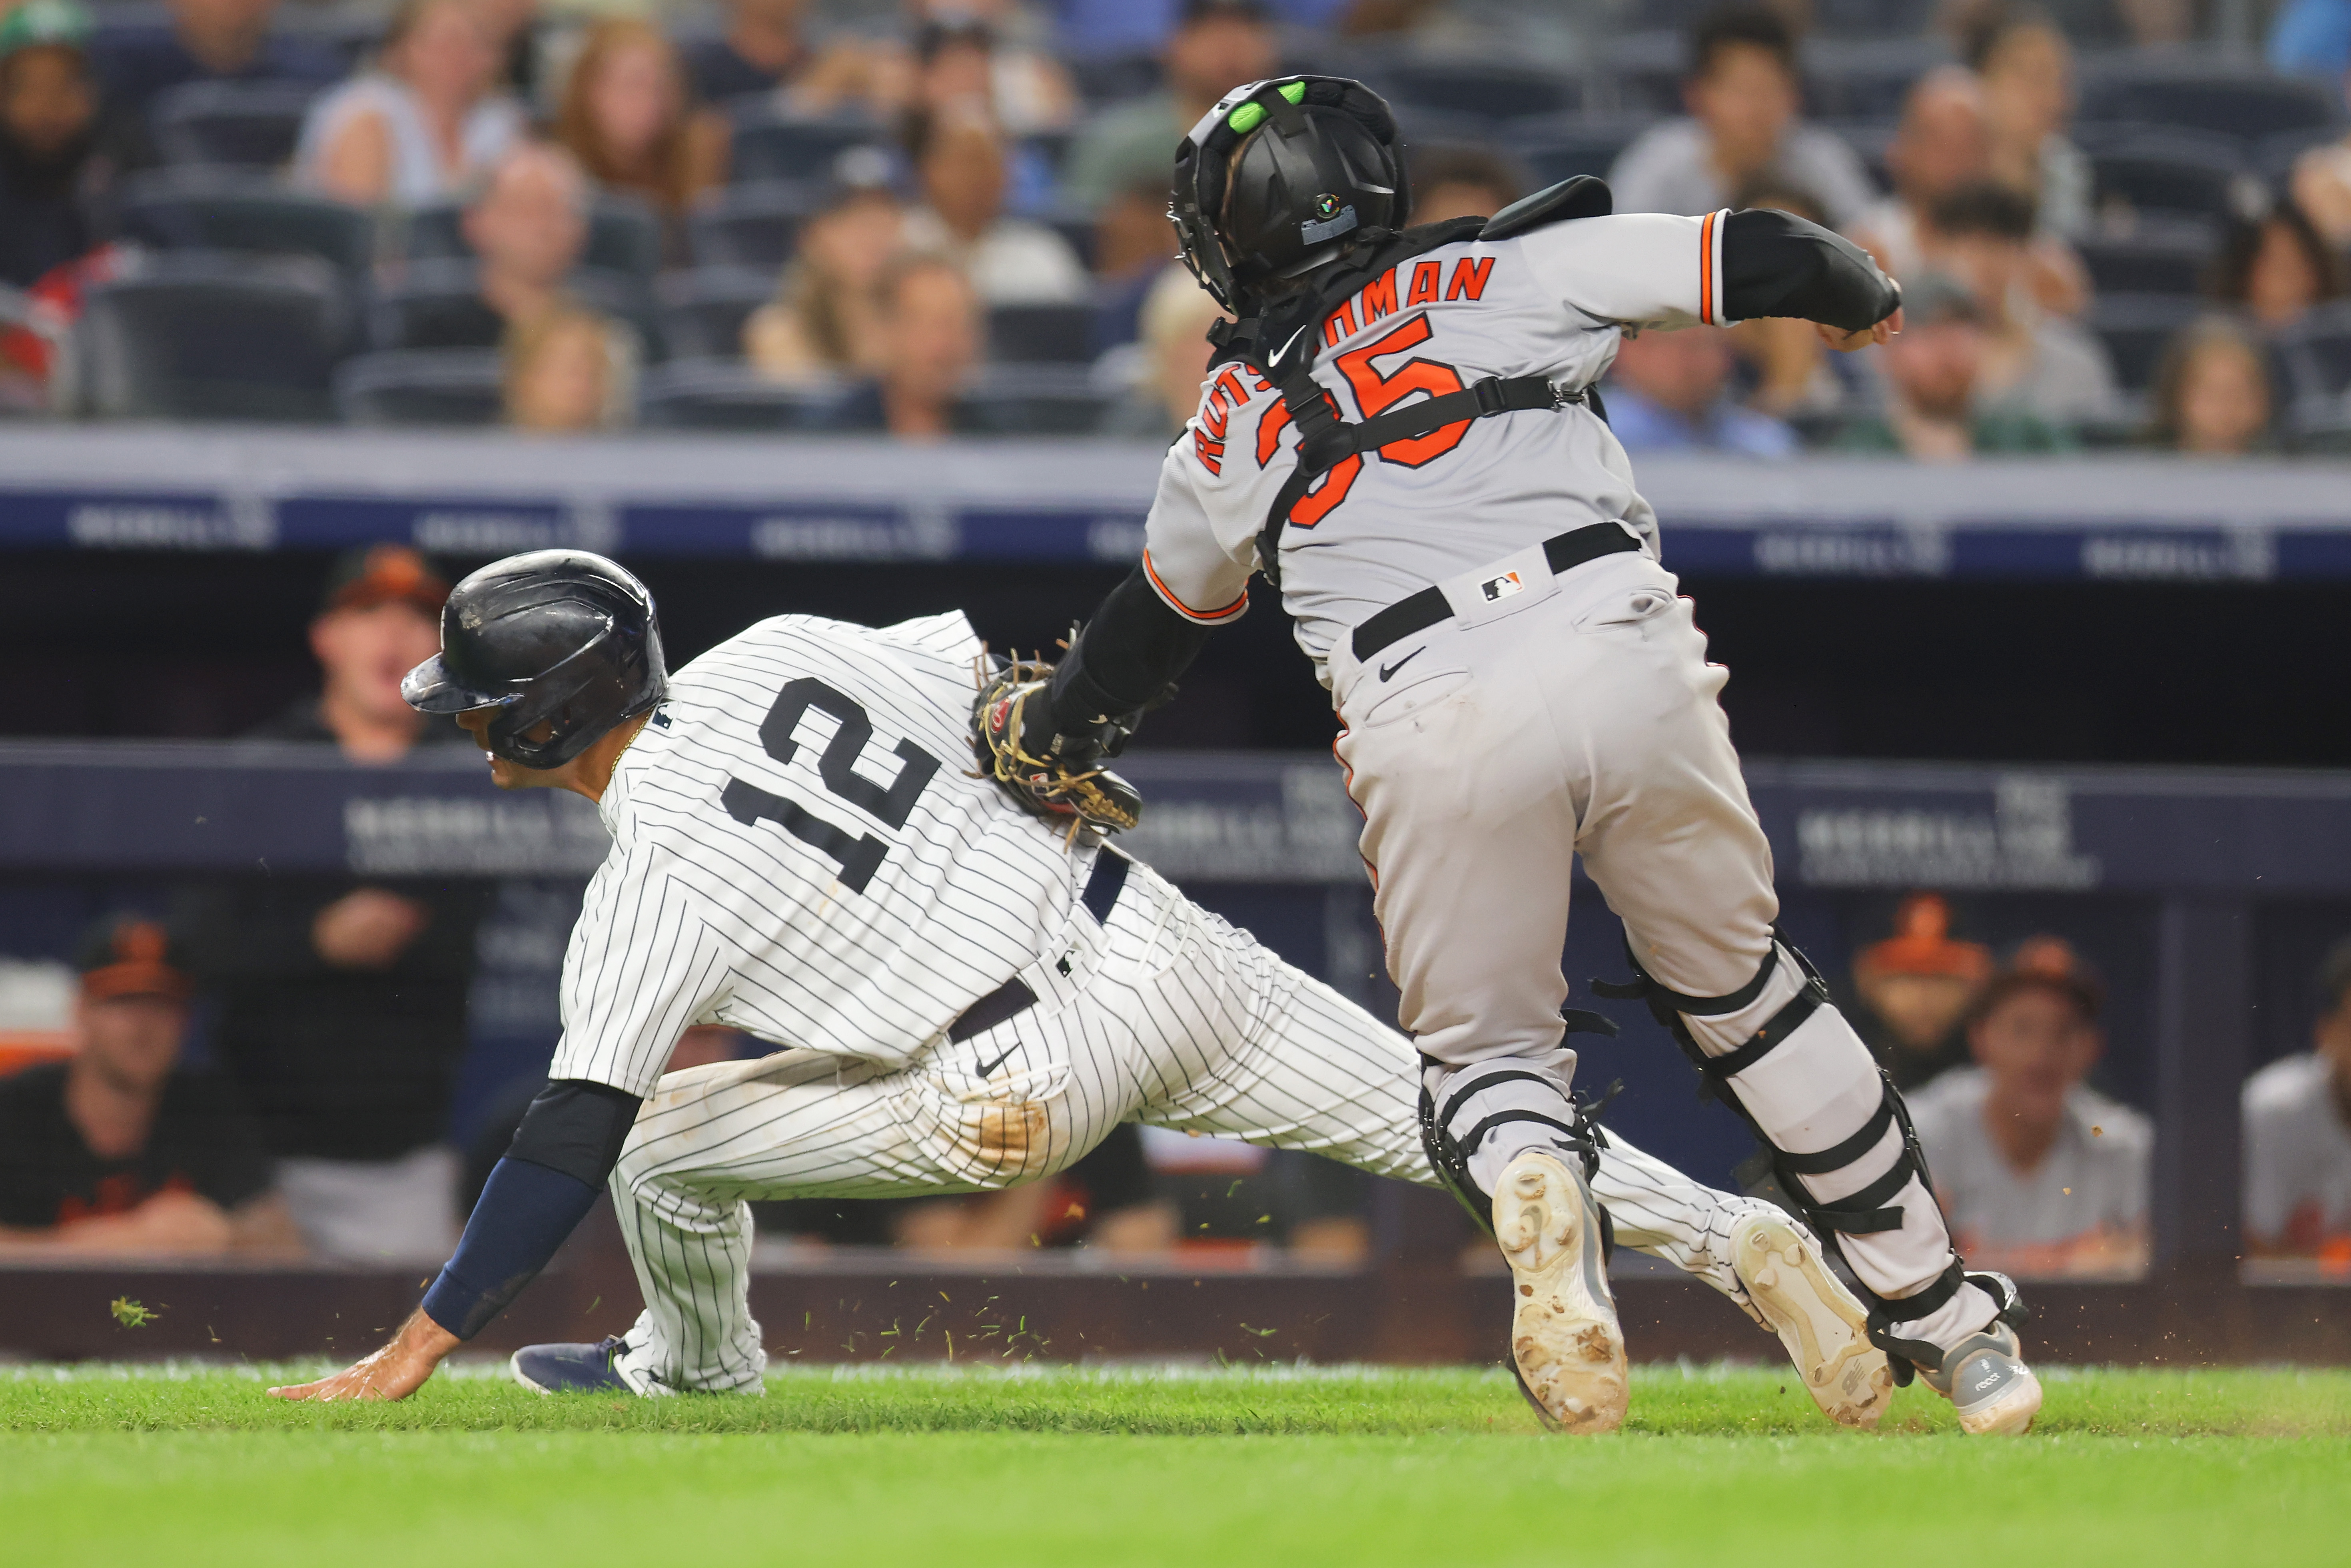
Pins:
x: 1044, y: 1466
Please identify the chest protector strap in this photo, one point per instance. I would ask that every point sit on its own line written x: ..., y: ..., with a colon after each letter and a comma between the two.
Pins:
x: 1292, y: 330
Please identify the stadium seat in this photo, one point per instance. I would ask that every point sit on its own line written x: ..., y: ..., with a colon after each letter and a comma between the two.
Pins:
x: 1479, y: 89
x: 772, y: 146
x: 2318, y: 355
x: 215, y: 210
x: 211, y: 337
x: 700, y: 395
x: 625, y: 236
x: 703, y: 311
x: 1556, y: 149
x: 1030, y: 400
x: 436, y: 305
x: 230, y: 124
x: 1061, y: 334
x: 421, y: 386
x: 2184, y: 96
x: 2159, y: 258
x: 2137, y: 328
x: 751, y: 226
x: 2173, y: 174
x: 1848, y: 77
x: 1641, y: 74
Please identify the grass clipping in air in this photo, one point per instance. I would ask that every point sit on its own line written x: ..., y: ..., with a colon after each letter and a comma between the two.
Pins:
x: 189, y: 1467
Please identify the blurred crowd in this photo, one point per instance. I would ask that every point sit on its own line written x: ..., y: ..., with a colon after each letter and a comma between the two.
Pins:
x: 948, y: 215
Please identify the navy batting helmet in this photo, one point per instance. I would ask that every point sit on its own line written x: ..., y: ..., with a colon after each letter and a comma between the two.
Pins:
x: 1321, y: 168
x: 556, y: 637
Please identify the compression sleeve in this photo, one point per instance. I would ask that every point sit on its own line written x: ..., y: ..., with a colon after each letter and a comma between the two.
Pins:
x: 569, y: 1142
x: 1132, y: 649
x: 1777, y: 264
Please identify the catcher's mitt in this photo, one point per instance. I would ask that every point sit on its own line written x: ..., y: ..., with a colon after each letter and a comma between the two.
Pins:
x: 1058, y: 777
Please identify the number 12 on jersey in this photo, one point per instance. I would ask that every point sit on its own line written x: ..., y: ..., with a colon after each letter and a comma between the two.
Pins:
x: 860, y: 855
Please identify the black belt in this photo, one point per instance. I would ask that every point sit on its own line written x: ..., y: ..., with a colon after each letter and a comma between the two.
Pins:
x: 1426, y: 608
x: 1013, y: 998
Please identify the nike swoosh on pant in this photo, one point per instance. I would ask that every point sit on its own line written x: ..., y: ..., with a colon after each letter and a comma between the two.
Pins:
x: 1387, y: 670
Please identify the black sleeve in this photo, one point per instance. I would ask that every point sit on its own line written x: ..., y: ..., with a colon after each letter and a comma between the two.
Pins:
x: 1777, y: 264
x: 569, y: 1142
x: 1125, y: 659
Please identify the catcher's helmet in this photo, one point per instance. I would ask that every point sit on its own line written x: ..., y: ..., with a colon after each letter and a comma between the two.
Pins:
x: 555, y: 636
x: 1327, y: 170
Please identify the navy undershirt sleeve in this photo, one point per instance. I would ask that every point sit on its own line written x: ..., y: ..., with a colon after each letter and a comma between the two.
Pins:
x: 569, y: 1142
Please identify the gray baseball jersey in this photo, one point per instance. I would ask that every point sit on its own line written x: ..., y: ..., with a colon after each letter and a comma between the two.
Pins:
x: 1552, y: 303
x: 2297, y: 1155
x: 2093, y: 1178
x: 799, y: 851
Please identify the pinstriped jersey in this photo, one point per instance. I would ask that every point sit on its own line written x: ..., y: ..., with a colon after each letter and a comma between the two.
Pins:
x: 800, y: 850
x: 1380, y: 525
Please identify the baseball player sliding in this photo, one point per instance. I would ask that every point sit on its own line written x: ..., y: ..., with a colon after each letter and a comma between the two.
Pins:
x: 1401, y: 431
x: 974, y: 996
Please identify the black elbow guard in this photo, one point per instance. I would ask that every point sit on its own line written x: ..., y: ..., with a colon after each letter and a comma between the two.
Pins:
x: 1777, y: 264
x: 577, y: 1128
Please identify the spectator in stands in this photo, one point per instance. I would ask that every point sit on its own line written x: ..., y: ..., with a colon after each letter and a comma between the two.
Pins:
x: 1742, y: 91
x: 1670, y: 392
x: 342, y: 1000
x: 1941, y: 144
x: 206, y: 40
x: 1916, y: 986
x: 2276, y: 268
x: 2212, y: 393
x: 1173, y: 359
x: 967, y: 48
x: 2027, y: 69
x: 959, y: 163
x: 2033, y: 362
x: 1462, y: 182
x: 1132, y: 242
x: 2312, y: 39
x: 1932, y: 413
x: 2039, y: 1174
x: 566, y: 370
x: 528, y: 228
x: 2297, y: 1133
x: 929, y: 345
x: 119, y: 1148
x: 419, y: 125
x: 825, y: 318
x: 1793, y: 371
x: 762, y: 50
x: 627, y: 118
x: 1216, y: 46
x: 50, y: 166
x: 521, y: 38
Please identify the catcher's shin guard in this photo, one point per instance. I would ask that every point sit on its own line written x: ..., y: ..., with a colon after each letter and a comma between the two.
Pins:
x: 1815, y: 1058
x: 1481, y: 1101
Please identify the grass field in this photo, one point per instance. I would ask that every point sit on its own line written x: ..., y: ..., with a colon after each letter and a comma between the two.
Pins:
x: 1438, y: 1469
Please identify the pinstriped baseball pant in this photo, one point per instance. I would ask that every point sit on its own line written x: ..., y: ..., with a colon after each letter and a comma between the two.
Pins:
x: 1165, y: 1014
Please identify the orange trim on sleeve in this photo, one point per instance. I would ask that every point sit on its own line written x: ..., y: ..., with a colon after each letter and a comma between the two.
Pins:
x: 1204, y: 617
x: 1705, y: 310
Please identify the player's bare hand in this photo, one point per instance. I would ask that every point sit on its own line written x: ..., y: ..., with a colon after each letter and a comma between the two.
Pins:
x: 367, y: 928
x: 1845, y: 342
x: 395, y: 1372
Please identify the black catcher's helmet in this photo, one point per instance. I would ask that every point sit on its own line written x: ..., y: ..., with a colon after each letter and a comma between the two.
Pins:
x: 1328, y: 168
x: 558, y: 635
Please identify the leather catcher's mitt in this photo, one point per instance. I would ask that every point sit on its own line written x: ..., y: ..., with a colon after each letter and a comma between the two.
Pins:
x: 1057, y: 777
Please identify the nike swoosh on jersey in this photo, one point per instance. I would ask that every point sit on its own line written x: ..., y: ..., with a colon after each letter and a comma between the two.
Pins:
x: 1387, y: 670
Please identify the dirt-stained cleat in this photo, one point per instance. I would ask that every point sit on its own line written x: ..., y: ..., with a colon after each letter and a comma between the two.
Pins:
x: 1564, y: 1339
x: 571, y: 1368
x: 1986, y: 1380
x: 1823, y: 1326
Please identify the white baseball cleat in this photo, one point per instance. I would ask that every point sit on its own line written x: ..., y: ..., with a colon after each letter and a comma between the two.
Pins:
x: 1986, y: 1380
x: 1564, y: 1339
x: 1823, y: 1326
